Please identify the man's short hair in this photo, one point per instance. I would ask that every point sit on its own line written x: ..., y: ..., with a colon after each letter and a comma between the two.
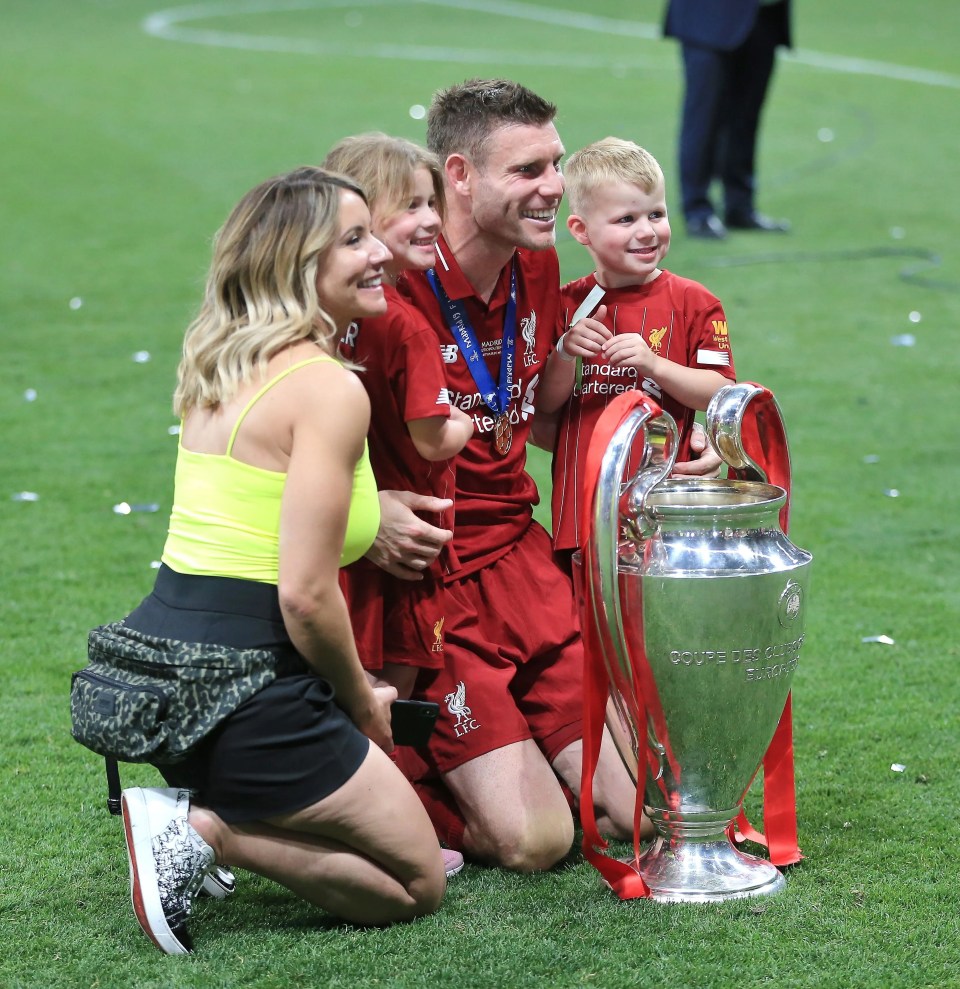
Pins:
x: 462, y: 117
x: 606, y: 161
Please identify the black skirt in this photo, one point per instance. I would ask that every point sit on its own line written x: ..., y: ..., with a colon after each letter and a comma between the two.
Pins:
x: 287, y: 747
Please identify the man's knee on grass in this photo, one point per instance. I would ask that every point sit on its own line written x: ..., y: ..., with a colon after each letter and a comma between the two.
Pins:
x: 525, y: 846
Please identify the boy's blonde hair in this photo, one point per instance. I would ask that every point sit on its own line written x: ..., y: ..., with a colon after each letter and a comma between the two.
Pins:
x: 384, y: 167
x: 609, y: 160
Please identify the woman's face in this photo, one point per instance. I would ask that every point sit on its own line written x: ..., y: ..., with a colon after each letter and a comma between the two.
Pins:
x: 349, y: 277
x: 411, y: 232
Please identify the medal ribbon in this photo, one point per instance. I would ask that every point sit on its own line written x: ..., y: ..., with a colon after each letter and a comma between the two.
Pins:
x: 495, y: 395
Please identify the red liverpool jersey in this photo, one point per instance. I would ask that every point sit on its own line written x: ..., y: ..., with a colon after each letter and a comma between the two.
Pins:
x: 680, y: 320
x: 495, y: 495
x: 405, y: 378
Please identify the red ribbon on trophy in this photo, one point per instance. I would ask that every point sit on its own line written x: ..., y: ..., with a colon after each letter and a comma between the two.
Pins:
x: 764, y: 440
x: 622, y: 877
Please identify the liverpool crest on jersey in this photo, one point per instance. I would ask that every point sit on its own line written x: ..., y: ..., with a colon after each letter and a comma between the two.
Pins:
x: 456, y: 702
x: 528, y: 329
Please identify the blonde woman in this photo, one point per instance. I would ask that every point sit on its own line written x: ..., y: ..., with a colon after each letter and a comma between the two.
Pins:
x: 273, y: 495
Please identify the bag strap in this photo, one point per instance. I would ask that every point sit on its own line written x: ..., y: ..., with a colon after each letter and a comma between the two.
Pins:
x: 113, y: 785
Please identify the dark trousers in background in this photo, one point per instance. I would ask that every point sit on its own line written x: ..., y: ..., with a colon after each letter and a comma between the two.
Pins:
x: 723, y: 99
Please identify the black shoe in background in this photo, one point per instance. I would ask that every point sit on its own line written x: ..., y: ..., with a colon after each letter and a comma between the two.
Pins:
x: 756, y: 221
x: 706, y: 228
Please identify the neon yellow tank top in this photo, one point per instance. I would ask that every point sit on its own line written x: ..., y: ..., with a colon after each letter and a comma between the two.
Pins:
x: 225, y: 520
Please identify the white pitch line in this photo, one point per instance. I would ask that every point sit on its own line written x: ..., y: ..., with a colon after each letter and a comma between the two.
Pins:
x: 166, y: 24
x: 865, y: 67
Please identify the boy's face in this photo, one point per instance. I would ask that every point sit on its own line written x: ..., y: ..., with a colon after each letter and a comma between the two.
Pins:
x: 626, y: 231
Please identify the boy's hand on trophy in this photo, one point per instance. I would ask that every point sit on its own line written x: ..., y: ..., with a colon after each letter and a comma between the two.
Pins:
x: 705, y: 462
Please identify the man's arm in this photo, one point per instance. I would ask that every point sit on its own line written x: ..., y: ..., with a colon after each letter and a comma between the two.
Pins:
x: 406, y: 544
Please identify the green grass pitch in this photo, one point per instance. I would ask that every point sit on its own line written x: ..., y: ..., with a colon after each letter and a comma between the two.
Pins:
x: 128, y: 132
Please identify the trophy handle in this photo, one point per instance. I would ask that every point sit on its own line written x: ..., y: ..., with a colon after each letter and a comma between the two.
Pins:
x: 660, y: 454
x: 725, y: 427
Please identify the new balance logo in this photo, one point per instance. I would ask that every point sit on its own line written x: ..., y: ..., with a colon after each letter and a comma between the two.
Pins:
x: 444, y: 397
x: 449, y: 353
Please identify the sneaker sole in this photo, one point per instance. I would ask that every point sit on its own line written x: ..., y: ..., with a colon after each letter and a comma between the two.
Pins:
x: 451, y: 866
x: 217, y: 885
x: 144, y: 893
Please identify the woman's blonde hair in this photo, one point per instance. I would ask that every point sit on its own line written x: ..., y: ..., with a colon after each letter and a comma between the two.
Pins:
x: 384, y: 166
x: 606, y: 161
x: 261, y: 290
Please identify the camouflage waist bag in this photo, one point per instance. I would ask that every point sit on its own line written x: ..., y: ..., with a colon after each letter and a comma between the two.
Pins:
x: 145, y: 699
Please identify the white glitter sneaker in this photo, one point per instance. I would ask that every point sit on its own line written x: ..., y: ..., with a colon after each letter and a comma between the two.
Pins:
x: 168, y: 863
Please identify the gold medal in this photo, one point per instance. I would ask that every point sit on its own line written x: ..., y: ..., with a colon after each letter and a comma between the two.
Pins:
x: 503, y: 434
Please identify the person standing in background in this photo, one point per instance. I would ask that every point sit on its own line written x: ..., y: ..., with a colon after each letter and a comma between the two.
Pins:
x: 729, y: 49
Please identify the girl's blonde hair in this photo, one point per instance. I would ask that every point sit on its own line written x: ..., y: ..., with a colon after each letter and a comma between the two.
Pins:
x: 261, y: 290
x: 384, y: 167
x: 606, y: 161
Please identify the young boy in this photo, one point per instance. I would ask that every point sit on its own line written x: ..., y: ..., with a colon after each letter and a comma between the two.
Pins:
x: 631, y: 324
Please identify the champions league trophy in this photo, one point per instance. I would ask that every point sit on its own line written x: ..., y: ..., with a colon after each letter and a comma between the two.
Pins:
x: 698, y: 600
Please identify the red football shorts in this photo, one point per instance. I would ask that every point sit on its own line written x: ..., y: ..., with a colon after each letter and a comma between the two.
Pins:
x: 394, y: 621
x: 513, y: 662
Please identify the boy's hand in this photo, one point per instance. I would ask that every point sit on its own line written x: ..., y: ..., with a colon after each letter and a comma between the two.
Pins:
x: 706, y: 462
x: 587, y: 337
x: 630, y: 350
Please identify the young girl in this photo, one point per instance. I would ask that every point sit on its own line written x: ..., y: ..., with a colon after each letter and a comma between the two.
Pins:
x: 415, y: 431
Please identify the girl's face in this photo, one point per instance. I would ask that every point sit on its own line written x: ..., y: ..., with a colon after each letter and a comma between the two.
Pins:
x: 410, y: 234
x: 350, y: 274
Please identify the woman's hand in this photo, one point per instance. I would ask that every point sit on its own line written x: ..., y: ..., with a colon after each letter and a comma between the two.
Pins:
x: 374, y: 719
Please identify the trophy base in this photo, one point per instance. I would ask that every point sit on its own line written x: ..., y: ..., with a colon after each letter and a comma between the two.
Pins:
x: 706, y: 872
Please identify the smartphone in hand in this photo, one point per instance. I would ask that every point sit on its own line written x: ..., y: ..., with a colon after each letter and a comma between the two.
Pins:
x: 413, y: 721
